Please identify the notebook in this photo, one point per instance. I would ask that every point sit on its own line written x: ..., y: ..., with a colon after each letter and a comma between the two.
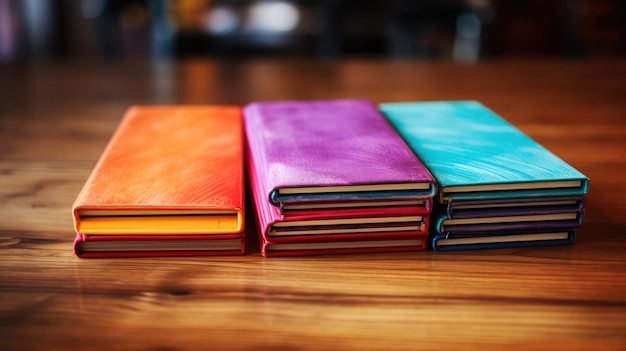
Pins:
x: 494, y: 222
x: 332, y: 151
x: 168, y: 172
x: 513, y: 207
x: 475, y: 154
x: 337, y: 231
x: 545, y: 237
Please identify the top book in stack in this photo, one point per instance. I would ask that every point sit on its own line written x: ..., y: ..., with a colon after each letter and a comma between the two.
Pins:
x: 474, y: 154
x: 338, y: 150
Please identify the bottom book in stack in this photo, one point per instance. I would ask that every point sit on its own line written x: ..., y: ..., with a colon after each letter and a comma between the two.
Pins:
x: 339, y: 227
x: 499, y: 223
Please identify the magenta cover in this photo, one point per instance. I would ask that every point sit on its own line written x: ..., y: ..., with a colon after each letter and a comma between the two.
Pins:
x: 332, y: 143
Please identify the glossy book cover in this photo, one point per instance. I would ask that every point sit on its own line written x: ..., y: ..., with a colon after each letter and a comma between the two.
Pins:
x: 167, y: 170
x: 475, y: 154
x: 335, y: 150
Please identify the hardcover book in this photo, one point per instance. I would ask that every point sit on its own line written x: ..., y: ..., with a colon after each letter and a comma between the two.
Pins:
x: 353, y: 245
x: 421, y: 206
x: 361, y: 220
x: 332, y: 151
x: 340, y: 231
x: 105, y: 246
x: 167, y: 171
x: 475, y: 154
x: 502, y: 223
x: 513, y: 207
x: 547, y: 237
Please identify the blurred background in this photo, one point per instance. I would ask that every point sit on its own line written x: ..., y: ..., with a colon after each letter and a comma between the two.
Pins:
x: 464, y: 31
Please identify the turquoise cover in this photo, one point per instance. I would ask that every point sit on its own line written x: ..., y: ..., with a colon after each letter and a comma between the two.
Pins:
x: 463, y: 143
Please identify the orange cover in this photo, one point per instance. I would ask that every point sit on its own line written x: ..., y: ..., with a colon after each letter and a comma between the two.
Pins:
x: 167, y: 170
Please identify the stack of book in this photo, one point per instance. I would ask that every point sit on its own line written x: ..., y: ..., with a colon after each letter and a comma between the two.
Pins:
x: 334, y: 177
x: 169, y: 183
x: 497, y: 187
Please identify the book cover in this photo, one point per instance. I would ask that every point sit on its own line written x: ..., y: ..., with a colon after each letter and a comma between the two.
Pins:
x: 319, y: 208
x: 109, y: 246
x: 358, y: 209
x: 475, y: 154
x: 502, y: 223
x: 311, y: 236
x: 502, y: 240
x: 335, y: 150
x: 513, y: 207
x: 167, y: 170
x: 367, y: 220
x: 354, y: 245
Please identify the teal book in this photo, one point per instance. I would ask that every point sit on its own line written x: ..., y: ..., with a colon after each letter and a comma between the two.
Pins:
x: 494, y: 224
x: 546, y: 237
x: 474, y: 154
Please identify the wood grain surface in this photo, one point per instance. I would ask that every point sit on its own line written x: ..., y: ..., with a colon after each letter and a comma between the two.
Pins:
x: 56, y: 118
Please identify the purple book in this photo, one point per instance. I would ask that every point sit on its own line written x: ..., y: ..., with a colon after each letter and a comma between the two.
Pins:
x: 335, y: 150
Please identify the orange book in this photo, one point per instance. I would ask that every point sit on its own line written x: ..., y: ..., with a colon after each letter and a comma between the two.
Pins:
x: 169, y: 176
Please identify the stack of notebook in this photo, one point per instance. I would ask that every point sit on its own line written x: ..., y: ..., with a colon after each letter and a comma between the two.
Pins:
x: 497, y: 187
x: 334, y: 177
x: 169, y: 183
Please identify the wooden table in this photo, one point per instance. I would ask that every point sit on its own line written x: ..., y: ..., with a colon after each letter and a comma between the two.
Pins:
x: 56, y: 118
